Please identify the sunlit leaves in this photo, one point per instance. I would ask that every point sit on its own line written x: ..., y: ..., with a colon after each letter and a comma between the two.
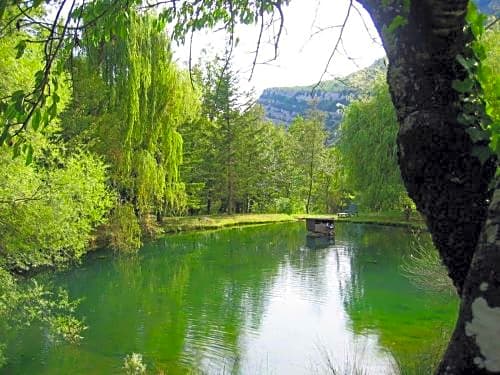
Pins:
x: 69, y: 201
x: 369, y: 153
x: 20, y: 47
x: 476, y: 20
x: 480, y: 89
x: 308, y: 137
x: 30, y: 100
x: 134, y: 98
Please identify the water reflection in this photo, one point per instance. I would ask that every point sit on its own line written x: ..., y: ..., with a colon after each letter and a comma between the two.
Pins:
x: 380, y: 300
x: 319, y: 242
x: 260, y: 300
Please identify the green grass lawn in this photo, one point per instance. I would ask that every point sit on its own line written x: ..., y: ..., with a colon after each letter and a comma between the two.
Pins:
x: 189, y: 223
x: 208, y: 222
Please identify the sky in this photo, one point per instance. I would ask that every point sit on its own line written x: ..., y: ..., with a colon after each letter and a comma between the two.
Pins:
x: 306, y: 44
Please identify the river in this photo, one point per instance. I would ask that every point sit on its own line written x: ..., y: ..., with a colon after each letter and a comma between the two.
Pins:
x: 251, y: 300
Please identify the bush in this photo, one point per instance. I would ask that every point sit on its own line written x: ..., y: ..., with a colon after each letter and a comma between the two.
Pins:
x: 287, y: 206
x: 48, y: 214
x: 124, y: 229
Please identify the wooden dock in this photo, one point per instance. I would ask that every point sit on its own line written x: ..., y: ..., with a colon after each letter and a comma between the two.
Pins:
x: 320, y: 226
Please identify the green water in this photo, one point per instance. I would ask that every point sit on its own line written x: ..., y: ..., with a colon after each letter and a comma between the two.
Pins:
x: 254, y: 300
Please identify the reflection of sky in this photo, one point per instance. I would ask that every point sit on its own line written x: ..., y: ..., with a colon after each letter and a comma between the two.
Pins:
x: 301, y: 327
x: 252, y: 301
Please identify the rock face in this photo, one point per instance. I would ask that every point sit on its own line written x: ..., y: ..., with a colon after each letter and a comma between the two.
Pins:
x: 283, y: 104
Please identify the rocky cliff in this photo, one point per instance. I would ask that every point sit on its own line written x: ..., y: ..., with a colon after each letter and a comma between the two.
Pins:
x: 283, y: 104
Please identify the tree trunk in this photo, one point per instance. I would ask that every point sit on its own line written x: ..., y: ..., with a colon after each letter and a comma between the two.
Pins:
x: 309, y: 192
x: 230, y: 170
x: 327, y: 194
x: 475, y: 345
x: 448, y: 185
x: 311, y: 176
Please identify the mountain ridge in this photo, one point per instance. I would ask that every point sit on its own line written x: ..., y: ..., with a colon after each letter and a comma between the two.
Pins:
x: 283, y: 104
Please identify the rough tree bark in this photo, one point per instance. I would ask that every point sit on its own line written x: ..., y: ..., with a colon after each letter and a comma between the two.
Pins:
x: 449, y: 186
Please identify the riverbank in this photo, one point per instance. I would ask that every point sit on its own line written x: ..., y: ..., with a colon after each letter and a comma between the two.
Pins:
x: 396, y: 219
x: 203, y: 276
x: 196, y: 223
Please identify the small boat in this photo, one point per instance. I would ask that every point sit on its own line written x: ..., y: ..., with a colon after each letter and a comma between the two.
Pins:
x: 320, y: 226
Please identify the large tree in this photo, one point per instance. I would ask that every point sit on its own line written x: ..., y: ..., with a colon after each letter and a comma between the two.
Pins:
x: 369, y: 158
x: 441, y: 167
x: 445, y: 171
x: 309, y: 145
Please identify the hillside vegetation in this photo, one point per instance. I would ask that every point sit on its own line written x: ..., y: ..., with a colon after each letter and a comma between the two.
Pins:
x: 283, y: 104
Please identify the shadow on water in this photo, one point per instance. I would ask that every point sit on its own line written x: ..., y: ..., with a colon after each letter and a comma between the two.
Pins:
x: 265, y: 299
x: 319, y: 242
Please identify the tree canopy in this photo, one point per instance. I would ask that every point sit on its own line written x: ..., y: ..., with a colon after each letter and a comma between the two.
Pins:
x: 369, y: 151
x: 444, y: 96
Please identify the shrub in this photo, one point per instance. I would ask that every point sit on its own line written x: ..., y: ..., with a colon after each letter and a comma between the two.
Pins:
x: 125, y: 231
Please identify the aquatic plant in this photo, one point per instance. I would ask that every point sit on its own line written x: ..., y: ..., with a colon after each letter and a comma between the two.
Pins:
x: 423, y: 267
x: 134, y: 365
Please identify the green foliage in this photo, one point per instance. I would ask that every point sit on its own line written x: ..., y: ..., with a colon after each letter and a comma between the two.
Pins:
x: 236, y: 161
x: 308, y: 141
x: 105, y: 24
x: 129, y: 101
x: 331, y: 192
x: 50, y: 201
x: 149, y: 98
x: 288, y: 205
x: 124, y: 229
x: 20, y: 78
x: 30, y: 99
x: 229, y: 152
x: 489, y: 77
x: 282, y: 104
x: 369, y: 153
x: 22, y: 304
x: 480, y: 88
x: 69, y: 199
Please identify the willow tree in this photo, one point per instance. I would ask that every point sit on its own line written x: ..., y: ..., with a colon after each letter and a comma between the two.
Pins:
x: 369, y: 152
x: 148, y: 98
x: 446, y: 167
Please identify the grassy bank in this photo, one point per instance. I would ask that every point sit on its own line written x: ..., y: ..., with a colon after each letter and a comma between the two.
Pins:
x: 393, y: 218
x: 191, y: 223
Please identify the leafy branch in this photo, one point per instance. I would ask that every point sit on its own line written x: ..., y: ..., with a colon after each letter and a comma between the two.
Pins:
x: 477, y: 111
